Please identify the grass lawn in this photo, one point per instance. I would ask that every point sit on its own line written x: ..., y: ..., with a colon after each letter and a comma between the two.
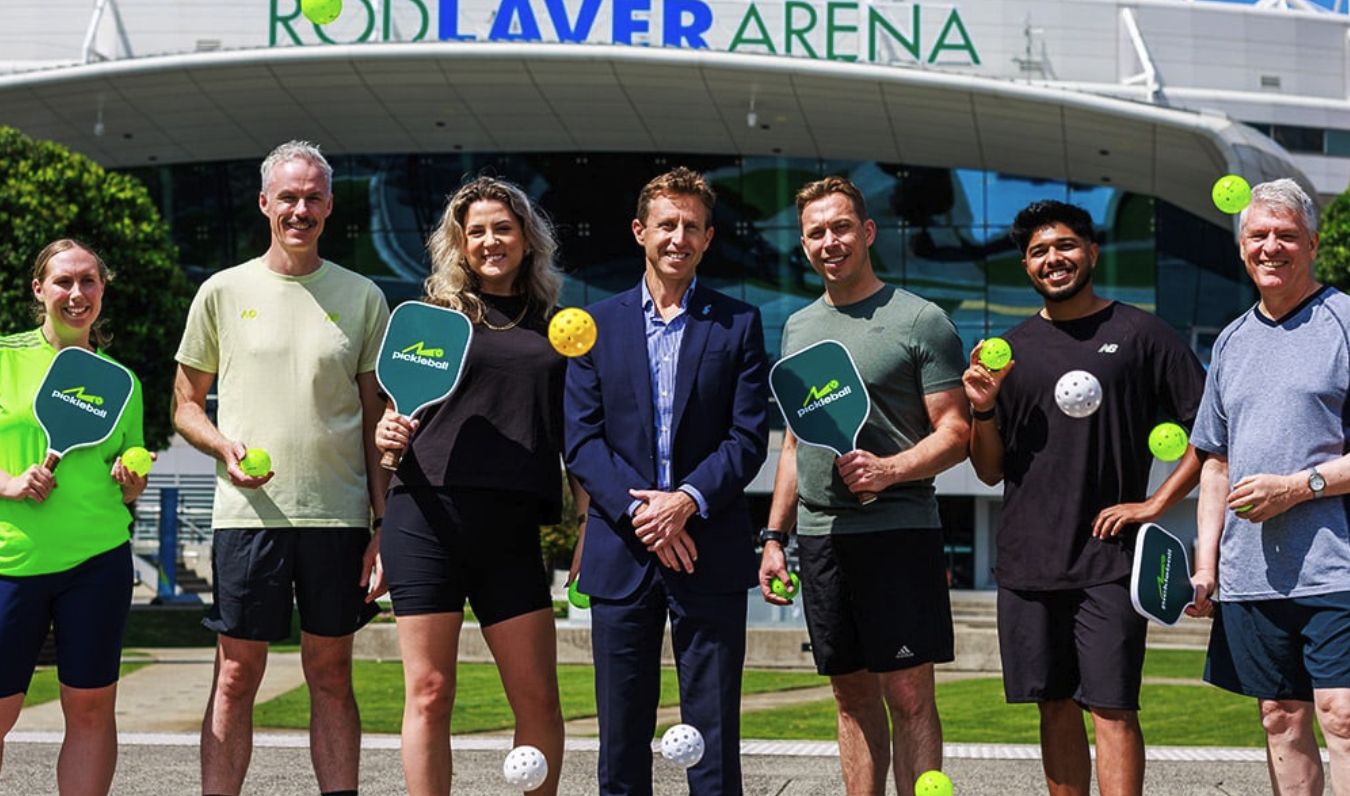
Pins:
x: 480, y: 703
x: 973, y: 711
x: 45, y: 687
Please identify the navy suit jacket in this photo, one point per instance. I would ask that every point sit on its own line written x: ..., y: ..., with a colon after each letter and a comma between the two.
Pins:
x: 718, y: 442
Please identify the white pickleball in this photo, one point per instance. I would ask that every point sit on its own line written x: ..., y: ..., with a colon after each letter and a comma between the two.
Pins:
x: 1078, y: 393
x: 525, y: 767
x: 682, y: 745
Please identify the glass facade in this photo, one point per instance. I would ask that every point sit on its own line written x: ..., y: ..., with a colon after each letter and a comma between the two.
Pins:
x: 942, y: 233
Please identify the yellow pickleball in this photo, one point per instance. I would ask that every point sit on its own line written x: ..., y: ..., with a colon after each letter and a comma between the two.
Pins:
x: 321, y: 12
x: 572, y: 332
x: 137, y: 460
x: 1168, y: 441
x: 1231, y: 194
x: 995, y: 353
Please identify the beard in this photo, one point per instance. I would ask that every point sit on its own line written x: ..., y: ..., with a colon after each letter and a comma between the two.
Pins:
x: 1062, y: 294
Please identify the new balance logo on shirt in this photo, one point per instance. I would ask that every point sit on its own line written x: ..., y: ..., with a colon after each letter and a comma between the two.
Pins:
x: 1107, y: 348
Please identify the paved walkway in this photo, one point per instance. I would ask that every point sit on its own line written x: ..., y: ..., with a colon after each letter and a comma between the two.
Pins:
x: 169, y: 695
x: 160, y: 707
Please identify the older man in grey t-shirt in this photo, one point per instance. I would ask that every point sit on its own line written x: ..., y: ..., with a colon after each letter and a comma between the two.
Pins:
x: 1275, y: 425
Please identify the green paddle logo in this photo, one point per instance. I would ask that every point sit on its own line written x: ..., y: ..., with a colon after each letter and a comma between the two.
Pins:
x: 418, y: 354
x: 77, y: 397
x: 817, y: 397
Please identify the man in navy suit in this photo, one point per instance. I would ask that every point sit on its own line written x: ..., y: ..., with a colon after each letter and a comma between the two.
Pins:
x: 666, y: 424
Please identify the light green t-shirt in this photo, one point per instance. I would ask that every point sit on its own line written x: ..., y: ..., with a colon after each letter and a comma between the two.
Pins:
x: 905, y: 348
x: 286, y: 351
x: 84, y: 515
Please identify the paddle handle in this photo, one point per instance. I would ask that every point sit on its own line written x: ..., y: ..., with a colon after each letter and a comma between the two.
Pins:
x: 51, y: 461
x: 867, y: 498
x: 390, y: 460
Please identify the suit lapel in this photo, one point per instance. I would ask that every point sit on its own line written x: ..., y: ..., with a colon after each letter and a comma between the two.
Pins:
x: 633, y: 332
x: 697, y: 324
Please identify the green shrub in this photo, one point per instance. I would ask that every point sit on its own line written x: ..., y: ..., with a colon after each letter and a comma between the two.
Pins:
x: 48, y: 192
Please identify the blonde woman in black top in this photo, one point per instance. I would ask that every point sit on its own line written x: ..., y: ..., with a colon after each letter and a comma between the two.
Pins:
x: 480, y: 475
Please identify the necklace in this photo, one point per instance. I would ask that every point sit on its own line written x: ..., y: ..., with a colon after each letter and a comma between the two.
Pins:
x: 510, y: 325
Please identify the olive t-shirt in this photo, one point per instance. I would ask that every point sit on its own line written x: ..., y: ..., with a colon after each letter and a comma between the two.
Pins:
x: 1058, y: 471
x: 905, y: 348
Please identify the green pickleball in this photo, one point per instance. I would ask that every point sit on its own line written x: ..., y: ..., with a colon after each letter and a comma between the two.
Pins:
x: 577, y: 597
x: 1168, y: 441
x: 933, y: 783
x: 137, y: 460
x: 321, y: 12
x: 256, y: 463
x: 995, y: 353
x: 1231, y: 194
x: 781, y: 589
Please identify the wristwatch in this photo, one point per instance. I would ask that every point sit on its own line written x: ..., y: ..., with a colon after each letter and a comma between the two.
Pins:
x: 767, y: 535
x: 1316, y: 482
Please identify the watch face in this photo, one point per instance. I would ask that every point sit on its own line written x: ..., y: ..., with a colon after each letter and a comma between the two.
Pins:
x: 1316, y: 482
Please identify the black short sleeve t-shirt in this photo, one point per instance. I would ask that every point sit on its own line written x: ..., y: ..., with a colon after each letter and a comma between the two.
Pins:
x: 1058, y: 471
x: 502, y: 428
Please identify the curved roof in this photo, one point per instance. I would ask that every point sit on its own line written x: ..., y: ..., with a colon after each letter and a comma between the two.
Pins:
x: 448, y: 96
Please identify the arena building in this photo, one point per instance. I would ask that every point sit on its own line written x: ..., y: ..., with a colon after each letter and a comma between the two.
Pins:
x: 950, y: 115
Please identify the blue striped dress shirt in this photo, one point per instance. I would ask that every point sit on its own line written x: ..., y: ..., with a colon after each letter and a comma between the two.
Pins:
x: 663, y: 358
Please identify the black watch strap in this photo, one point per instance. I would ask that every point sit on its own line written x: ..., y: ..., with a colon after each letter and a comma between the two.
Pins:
x: 767, y: 535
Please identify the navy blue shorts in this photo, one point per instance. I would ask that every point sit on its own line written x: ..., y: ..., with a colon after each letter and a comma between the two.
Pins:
x: 260, y: 573
x: 1281, y: 649
x: 1084, y: 644
x: 876, y: 601
x: 88, y: 604
x: 441, y: 547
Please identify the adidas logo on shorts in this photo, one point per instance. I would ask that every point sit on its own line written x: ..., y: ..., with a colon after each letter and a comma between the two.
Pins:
x: 904, y: 652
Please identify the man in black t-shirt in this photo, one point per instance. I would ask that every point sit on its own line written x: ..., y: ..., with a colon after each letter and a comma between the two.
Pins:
x: 1075, y: 491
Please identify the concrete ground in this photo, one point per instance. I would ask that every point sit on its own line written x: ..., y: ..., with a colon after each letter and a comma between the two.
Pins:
x: 152, y: 765
x: 160, y: 707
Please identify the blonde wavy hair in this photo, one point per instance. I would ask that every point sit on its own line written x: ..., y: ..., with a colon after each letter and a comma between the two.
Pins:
x: 453, y: 284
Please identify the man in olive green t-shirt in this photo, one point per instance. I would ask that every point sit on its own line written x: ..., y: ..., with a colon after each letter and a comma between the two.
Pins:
x: 874, y: 581
x: 290, y: 341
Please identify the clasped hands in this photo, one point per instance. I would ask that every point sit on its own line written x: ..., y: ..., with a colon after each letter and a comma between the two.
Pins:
x: 659, y: 523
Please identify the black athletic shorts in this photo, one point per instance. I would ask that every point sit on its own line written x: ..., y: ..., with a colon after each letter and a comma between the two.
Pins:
x: 442, y: 546
x: 257, y: 572
x: 1284, y: 648
x: 1082, y: 644
x: 876, y: 601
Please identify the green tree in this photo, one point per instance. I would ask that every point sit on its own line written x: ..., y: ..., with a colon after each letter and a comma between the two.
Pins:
x: 48, y: 192
x: 1333, y: 255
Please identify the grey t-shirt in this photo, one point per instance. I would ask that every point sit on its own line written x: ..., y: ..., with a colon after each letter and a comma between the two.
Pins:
x: 1276, y: 402
x: 905, y: 348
